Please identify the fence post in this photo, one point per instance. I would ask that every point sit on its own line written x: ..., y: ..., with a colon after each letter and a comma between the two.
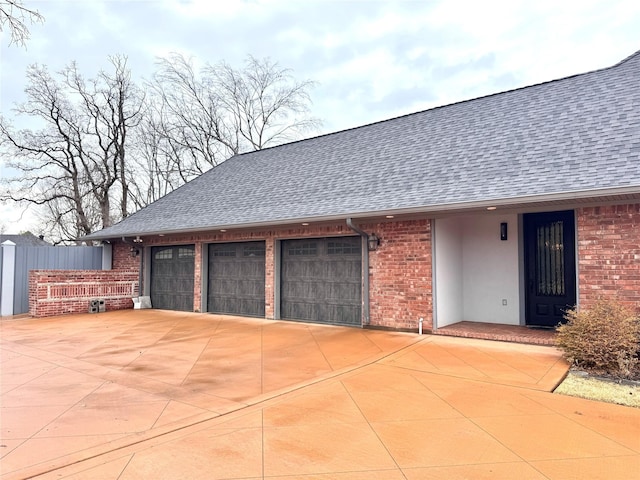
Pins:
x: 8, y: 278
x: 107, y: 256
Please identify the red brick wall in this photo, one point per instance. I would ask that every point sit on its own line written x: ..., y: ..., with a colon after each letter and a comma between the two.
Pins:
x: 57, y: 292
x: 401, y: 275
x: 270, y: 279
x: 400, y: 271
x: 609, y: 254
x: 122, y: 258
x: 197, y: 279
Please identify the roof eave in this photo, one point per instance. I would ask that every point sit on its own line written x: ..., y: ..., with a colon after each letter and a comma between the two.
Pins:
x: 454, y: 207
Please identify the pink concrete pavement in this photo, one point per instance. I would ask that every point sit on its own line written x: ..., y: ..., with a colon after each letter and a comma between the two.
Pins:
x: 151, y: 394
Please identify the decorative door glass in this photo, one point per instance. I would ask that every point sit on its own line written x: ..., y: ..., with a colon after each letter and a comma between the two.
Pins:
x: 550, y: 267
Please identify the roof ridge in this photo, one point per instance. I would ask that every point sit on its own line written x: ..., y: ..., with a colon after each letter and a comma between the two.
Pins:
x: 625, y: 60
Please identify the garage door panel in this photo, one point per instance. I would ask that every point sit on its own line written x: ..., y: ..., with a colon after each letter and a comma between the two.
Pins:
x: 219, y: 287
x: 343, y: 311
x: 236, y: 278
x: 172, y: 277
x: 237, y: 288
x: 306, y: 268
x: 346, y: 269
x: 184, y: 269
x: 300, y: 311
x: 254, y: 288
x: 321, y: 280
x: 250, y: 271
x: 302, y: 291
x: 252, y: 305
x: 342, y: 292
x: 226, y: 269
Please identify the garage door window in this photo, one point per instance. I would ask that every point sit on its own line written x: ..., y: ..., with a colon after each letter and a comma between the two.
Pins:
x: 186, y: 253
x: 224, y: 251
x: 166, y: 254
x: 342, y: 248
x: 253, y: 251
x: 306, y: 248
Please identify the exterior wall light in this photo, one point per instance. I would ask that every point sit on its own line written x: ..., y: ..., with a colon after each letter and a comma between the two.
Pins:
x: 373, y: 241
x: 503, y: 231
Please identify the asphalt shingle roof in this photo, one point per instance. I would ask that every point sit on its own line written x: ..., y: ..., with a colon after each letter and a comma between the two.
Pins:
x: 575, y: 134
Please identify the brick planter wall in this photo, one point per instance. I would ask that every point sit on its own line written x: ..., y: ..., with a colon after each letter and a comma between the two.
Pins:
x: 57, y: 292
x: 609, y: 254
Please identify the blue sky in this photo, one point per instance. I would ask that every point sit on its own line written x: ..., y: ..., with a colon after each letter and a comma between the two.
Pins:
x: 371, y: 60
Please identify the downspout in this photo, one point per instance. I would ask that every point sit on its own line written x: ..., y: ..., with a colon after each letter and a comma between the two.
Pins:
x: 365, y: 270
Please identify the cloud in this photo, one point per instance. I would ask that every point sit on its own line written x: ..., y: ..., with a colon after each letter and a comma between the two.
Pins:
x: 372, y: 59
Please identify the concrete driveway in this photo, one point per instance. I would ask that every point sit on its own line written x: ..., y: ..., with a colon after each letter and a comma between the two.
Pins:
x: 156, y: 394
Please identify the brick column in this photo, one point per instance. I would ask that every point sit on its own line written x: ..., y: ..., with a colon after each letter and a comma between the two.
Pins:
x: 609, y: 254
x: 270, y: 278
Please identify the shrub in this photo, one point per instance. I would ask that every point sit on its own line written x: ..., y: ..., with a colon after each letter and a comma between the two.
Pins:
x: 604, y: 339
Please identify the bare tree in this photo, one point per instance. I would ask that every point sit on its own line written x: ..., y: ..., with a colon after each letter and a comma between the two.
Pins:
x: 15, y: 15
x: 75, y: 164
x: 202, y: 117
x: 263, y: 102
x: 154, y: 170
x: 102, y: 149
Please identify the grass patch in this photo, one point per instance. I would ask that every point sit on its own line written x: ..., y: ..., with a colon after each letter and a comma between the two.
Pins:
x: 591, y: 388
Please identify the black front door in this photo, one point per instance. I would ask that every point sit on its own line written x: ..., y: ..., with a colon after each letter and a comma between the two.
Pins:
x: 549, y: 245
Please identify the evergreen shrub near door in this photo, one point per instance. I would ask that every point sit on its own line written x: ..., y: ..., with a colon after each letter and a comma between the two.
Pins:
x: 603, y: 339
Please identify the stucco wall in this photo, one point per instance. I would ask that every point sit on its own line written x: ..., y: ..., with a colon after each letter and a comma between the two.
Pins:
x: 476, y: 271
x: 448, y: 271
x: 490, y: 270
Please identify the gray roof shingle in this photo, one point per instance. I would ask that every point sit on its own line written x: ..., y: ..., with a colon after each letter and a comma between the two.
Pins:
x: 572, y: 135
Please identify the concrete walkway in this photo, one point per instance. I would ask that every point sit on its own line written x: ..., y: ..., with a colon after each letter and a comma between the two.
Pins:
x: 154, y: 394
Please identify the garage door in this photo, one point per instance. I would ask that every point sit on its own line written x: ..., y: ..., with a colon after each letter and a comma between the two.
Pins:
x: 236, y: 278
x: 321, y: 280
x: 172, y: 270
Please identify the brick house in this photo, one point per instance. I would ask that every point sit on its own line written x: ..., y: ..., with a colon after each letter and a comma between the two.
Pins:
x: 502, y: 209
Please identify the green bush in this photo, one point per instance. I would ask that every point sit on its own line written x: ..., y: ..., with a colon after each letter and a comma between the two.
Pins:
x: 604, y: 339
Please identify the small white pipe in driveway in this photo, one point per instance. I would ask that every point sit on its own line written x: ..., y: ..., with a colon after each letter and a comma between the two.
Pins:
x: 420, y: 325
